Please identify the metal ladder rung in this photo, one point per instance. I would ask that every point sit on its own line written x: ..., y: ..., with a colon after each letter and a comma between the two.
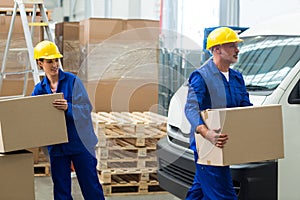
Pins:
x: 41, y: 73
x: 30, y: 1
x: 38, y: 24
x: 18, y: 49
x: 17, y: 73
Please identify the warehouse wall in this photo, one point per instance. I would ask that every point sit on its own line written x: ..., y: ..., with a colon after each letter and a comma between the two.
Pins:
x: 77, y: 10
x: 254, y: 11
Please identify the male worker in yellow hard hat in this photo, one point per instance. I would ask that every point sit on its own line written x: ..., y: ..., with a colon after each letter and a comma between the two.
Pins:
x: 80, y: 149
x: 214, y: 85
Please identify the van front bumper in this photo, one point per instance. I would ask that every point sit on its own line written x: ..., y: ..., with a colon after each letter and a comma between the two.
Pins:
x: 176, y: 169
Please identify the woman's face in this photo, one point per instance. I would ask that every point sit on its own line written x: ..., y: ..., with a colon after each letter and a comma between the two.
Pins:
x: 50, y: 66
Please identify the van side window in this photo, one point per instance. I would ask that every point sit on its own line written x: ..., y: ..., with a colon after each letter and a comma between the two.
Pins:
x: 294, y: 97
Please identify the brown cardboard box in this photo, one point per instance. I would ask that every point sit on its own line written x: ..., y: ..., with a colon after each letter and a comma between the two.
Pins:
x: 95, y: 30
x: 255, y: 134
x: 140, y: 23
x: 13, y: 87
x: 115, y: 45
x: 17, y: 176
x: 124, y: 95
x: 67, y: 40
x: 5, y: 21
x: 31, y: 122
x: 141, y: 30
x: 10, y: 4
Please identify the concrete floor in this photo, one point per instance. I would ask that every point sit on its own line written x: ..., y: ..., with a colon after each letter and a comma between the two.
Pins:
x: 43, y: 191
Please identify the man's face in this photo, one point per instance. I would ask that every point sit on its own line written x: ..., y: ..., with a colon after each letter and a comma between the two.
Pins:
x: 229, y: 52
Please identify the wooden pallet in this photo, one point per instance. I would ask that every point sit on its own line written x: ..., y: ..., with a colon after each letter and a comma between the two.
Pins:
x: 149, y: 137
x: 39, y: 155
x: 129, y: 124
x: 42, y: 169
x: 132, y: 189
x: 128, y: 152
x: 122, y: 176
x: 127, y: 164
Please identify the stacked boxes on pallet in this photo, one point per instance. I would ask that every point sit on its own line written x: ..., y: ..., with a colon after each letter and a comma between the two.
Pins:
x: 126, y: 151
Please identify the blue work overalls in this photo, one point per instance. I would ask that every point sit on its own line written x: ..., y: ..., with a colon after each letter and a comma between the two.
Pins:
x: 82, y: 140
x: 208, y: 88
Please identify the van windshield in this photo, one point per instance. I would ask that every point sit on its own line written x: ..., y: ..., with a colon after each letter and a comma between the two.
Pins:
x: 264, y: 61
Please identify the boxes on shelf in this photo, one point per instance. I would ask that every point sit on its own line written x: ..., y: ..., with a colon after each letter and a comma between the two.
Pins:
x: 31, y: 121
x: 16, y: 175
x: 255, y: 134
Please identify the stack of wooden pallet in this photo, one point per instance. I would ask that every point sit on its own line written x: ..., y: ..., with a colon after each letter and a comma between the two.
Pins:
x: 126, y: 151
x: 41, y: 161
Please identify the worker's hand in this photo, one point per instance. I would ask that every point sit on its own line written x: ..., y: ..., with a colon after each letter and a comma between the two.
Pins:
x: 217, y: 139
x: 60, y: 104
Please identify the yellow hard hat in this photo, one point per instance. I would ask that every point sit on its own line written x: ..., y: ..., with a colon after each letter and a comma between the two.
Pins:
x: 222, y: 35
x: 46, y: 50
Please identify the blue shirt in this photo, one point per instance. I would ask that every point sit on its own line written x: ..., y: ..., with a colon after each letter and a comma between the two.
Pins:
x: 80, y: 130
x: 208, y: 88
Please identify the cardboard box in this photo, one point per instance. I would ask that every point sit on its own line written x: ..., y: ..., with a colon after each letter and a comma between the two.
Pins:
x: 67, y: 40
x: 17, y: 176
x: 141, y: 30
x: 17, y: 32
x: 31, y: 122
x: 95, y: 30
x: 116, y: 45
x: 10, y: 4
x: 255, y: 134
x: 13, y: 87
x: 123, y: 95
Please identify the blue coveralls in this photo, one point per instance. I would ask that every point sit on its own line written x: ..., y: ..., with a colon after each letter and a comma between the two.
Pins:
x: 208, y: 88
x: 82, y: 140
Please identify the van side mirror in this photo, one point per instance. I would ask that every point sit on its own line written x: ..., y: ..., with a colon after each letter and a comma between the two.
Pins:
x: 294, y: 97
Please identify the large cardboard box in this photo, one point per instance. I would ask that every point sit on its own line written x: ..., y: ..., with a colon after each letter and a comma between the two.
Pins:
x: 10, y: 4
x: 17, y: 176
x: 123, y: 95
x: 31, y: 122
x: 111, y: 46
x: 255, y: 134
x: 95, y: 30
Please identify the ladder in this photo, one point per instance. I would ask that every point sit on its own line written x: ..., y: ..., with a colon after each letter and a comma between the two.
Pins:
x: 28, y: 28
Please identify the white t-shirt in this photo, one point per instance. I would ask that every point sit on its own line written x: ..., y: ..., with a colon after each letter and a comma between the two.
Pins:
x: 226, y: 74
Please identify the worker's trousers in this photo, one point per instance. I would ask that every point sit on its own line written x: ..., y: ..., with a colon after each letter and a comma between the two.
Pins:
x: 86, y: 172
x: 211, y: 183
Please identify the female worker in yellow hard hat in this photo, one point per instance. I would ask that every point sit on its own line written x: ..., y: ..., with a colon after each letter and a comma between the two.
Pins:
x: 214, y: 85
x: 80, y: 149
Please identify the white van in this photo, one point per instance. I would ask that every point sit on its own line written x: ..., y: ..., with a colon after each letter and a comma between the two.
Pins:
x: 269, y: 60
